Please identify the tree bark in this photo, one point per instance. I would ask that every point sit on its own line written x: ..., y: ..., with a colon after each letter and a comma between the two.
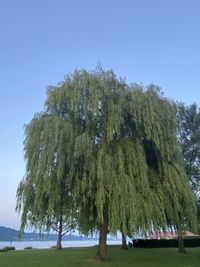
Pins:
x: 124, y: 245
x: 181, y: 248
x: 103, y: 230
x: 59, y: 240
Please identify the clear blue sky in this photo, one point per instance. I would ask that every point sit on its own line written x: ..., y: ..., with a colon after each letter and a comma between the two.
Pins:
x: 42, y: 40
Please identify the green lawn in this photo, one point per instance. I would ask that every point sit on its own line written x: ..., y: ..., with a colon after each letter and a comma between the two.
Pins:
x: 74, y: 257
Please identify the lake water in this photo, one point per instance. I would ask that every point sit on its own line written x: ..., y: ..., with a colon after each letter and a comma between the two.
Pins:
x: 19, y: 245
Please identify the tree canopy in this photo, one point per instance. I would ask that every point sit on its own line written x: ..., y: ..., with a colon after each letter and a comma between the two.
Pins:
x: 114, y: 146
x: 189, y: 138
x: 44, y: 192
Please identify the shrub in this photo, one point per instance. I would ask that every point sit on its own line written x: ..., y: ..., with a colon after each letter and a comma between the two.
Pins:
x: 165, y: 243
x: 3, y: 250
x: 7, y: 249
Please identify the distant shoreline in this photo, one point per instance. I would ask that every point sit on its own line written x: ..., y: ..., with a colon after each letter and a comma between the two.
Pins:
x: 20, y: 245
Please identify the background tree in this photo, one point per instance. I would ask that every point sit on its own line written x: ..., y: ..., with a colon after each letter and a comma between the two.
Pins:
x: 189, y: 138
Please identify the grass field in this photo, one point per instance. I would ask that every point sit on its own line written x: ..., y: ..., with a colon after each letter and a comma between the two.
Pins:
x: 84, y: 257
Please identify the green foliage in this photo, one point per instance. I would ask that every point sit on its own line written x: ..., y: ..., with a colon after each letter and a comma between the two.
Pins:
x: 104, y: 146
x: 5, y: 249
x: 44, y: 193
x: 189, y: 138
x: 29, y: 247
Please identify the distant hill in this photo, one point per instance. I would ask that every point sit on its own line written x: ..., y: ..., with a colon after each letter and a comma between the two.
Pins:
x: 8, y: 234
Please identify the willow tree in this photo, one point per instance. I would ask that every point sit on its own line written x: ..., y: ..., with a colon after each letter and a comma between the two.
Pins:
x: 124, y: 162
x: 127, y: 169
x: 43, y: 195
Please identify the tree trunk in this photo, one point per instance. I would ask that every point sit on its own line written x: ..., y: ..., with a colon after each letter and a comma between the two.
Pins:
x: 181, y: 248
x: 124, y: 245
x: 101, y: 253
x: 59, y: 240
